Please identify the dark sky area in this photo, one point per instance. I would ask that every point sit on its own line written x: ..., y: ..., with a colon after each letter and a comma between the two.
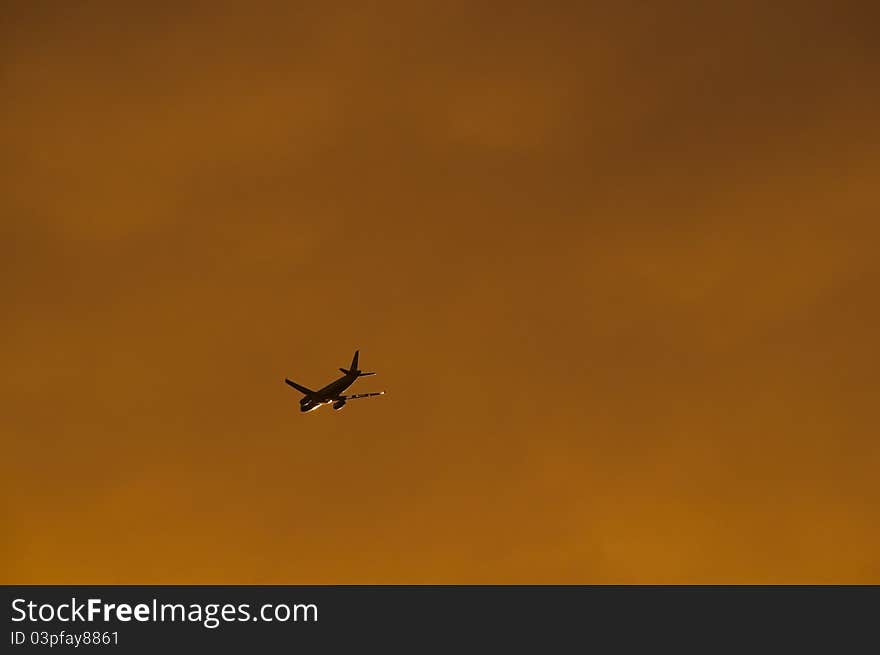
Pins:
x: 616, y: 264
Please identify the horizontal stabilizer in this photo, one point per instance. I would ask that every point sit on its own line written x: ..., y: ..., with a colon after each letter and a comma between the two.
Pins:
x: 359, y: 374
x: 299, y: 387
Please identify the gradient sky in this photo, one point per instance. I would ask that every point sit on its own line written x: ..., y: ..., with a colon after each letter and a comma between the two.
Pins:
x: 615, y: 263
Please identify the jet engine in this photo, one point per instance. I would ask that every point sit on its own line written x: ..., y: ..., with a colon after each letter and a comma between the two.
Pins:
x: 339, y: 404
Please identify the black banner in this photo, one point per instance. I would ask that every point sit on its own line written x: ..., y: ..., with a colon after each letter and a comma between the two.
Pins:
x: 413, y: 618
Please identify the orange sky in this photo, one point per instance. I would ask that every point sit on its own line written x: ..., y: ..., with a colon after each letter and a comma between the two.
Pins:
x: 617, y: 267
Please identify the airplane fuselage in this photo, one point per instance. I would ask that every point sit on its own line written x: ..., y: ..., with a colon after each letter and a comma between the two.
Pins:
x: 326, y: 395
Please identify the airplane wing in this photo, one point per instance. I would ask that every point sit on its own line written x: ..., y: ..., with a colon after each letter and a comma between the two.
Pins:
x: 360, y: 395
x: 299, y: 387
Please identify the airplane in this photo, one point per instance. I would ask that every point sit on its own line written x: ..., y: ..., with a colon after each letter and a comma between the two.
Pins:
x: 331, y: 393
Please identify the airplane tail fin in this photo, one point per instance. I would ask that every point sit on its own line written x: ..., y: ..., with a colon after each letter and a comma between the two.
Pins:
x: 353, y: 369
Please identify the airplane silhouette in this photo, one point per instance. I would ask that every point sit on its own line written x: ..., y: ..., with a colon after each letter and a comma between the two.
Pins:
x: 331, y: 393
